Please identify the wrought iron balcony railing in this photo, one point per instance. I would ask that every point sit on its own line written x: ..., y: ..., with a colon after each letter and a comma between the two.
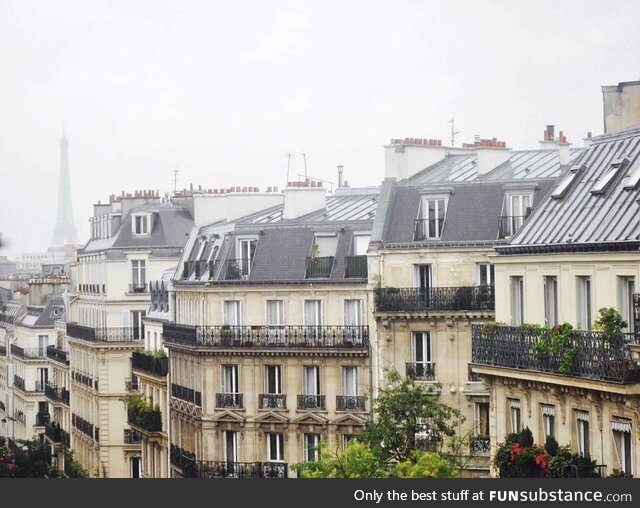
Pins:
x: 272, y: 401
x: 237, y: 269
x: 18, y: 382
x: 149, y: 420
x: 149, y: 364
x: 183, y: 460
x: 56, y: 434
x: 132, y: 437
x: 186, y: 394
x: 84, y: 379
x: 461, y: 298
x: 319, y: 268
x: 312, y: 402
x: 84, y: 426
x: 585, y: 354
x: 138, y: 287
x: 3, y: 350
x: 350, y: 402
x: 267, y: 336
x: 427, y: 229
x: 481, y: 445
x: 28, y: 353
x: 221, y: 469
x: 42, y: 419
x: 6, y: 320
x: 52, y: 392
x: 229, y: 400
x: 355, y: 267
x: 421, y: 371
x: 510, y: 225
x: 59, y: 355
x: 89, y: 334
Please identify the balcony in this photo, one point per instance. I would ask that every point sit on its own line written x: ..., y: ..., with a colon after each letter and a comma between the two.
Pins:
x: 29, y: 353
x: 427, y: 229
x: 56, y: 435
x: 6, y: 321
x: 584, y: 354
x: 509, y: 225
x: 221, y: 469
x: 84, y: 427
x: 183, y: 460
x: 186, y: 394
x: 18, y: 382
x: 355, y: 267
x: 272, y: 401
x: 58, y: 355
x: 84, y: 379
x: 106, y: 335
x: 138, y: 287
x: 145, y: 417
x: 267, y: 337
x: 42, y: 419
x: 132, y: 437
x: 354, y: 403
x: 480, y: 445
x: 421, y: 371
x: 149, y: 364
x: 311, y: 403
x: 463, y: 298
x: 229, y: 400
x: 3, y: 350
x: 237, y: 269
x: 319, y: 268
x: 55, y: 394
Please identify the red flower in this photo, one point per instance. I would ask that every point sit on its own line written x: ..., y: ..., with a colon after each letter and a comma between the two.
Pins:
x: 543, y: 461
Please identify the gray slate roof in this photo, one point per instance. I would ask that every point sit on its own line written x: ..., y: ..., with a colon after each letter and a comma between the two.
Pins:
x: 581, y: 219
x: 45, y: 315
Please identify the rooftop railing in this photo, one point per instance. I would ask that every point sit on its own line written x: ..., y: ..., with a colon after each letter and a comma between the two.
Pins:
x: 355, y: 267
x: 319, y: 268
x: 434, y: 299
x: 90, y: 334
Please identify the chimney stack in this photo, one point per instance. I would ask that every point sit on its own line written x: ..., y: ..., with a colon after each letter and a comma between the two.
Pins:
x: 340, y: 170
x: 301, y: 198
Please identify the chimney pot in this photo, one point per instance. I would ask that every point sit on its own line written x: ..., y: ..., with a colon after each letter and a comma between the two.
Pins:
x: 589, y: 135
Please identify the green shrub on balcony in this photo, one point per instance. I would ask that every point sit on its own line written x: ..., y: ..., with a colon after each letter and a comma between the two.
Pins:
x: 143, y: 414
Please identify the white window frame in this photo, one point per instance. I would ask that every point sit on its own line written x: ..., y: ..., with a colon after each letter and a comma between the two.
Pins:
x: 548, y: 413
x: 237, y: 312
x: 626, y: 289
x: 316, y: 389
x: 516, y: 299
x: 138, y: 271
x: 515, y: 415
x: 311, y: 453
x: 439, y: 222
x: 550, y: 299
x: 584, y: 301
x: 477, y: 418
x: 277, y: 373
x: 141, y: 224
x: 622, y: 433
x: 277, y: 451
x: 583, y: 437
x: 350, y: 380
x: 230, y: 381
x: 486, y: 271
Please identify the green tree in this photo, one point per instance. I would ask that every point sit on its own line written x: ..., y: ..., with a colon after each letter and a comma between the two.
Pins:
x: 355, y: 461
x: 405, y: 411
x: 425, y: 465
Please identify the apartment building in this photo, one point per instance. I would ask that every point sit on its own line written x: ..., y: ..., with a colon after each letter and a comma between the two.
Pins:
x: 270, y: 348
x: 577, y: 253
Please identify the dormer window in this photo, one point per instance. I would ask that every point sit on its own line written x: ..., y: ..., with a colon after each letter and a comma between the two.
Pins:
x: 516, y: 209
x: 141, y: 224
x: 430, y: 221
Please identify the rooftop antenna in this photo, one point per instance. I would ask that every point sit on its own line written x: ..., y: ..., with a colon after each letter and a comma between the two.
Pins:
x: 175, y: 180
x: 453, y: 132
x: 304, y: 158
x: 288, y: 164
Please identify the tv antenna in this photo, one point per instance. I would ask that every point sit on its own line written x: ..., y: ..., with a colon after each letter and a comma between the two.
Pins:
x: 304, y: 158
x: 175, y: 180
x: 454, y: 132
x: 288, y: 165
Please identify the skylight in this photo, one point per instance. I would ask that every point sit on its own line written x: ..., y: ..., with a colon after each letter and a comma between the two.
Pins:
x: 564, y: 185
x: 615, y: 167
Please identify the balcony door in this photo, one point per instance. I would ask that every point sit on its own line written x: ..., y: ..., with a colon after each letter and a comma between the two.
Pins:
x: 275, y: 320
x: 230, y: 385
x: 246, y: 251
x: 313, y: 318
x: 422, y: 355
x: 230, y: 450
x: 516, y: 211
x: 136, y: 321
x: 353, y: 319
x: 43, y: 342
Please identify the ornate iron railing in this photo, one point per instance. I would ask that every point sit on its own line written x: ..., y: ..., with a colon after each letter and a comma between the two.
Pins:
x: 42, y: 419
x: 18, y: 382
x: 186, y: 394
x: 6, y: 320
x: 56, y: 434
x: 431, y: 299
x: 183, y: 460
x: 145, y: 419
x: 221, y: 469
x: 355, y: 267
x: 267, y: 336
x: 229, y: 400
x: 59, y: 355
x: 104, y: 334
x: 52, y: 392
x: 159, y: 296
x: 509, y: 225
x: 480, y: 445
x: 28, y: 353
x: 83, y: 426
x: 272, y: 401
x: 138, y: 287
x: 312, y: 402
x: 421, y: 371
x: 132, y: 437
x: 350, y: 402
x: 585, y: 354
x: 147, y: 363
x: 237, y: 269
x: 84, y: 379
x: 319, y: 268
x: 427, y: 229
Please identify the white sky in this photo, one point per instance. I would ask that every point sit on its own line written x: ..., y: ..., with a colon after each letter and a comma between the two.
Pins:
x: 223, y: 90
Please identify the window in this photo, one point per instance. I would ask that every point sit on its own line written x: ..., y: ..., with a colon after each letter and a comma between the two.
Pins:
x: 564, y: 185
x: 311, y: 379
x: 43, y: 342
x: 136, y: 323
x: 361, y: 244
x: 421, y: 354
x: 582, y: 432
x: 275, y: 447
x: 230, y: 386
x: 626, y: 288
x: 516, y: 210
x: 584, y: 302
x: 350, y: 381
x: 313, y: 318
x: 327, y: 245
x: 602, y: 183
x: 514, y: 414
x: 481, y: 418
x: 431, y: 219
x: 246, y: 253
x: 486, y: 274
x: 275, y: 319
x: 230, y: 447
x: 550, y: 285
x: 424, y: 434
x: 548, y: 420
x: 140, y: 224
x: 232, y: 313
x: 43, y: 378
x: 353, y: 313
x: 273, y: 379
x: 139, y: 277
x: 136, y: 467
x: 422, y: 276
x: 311, y: 447
x: 346, y: 439
x: 517, y: 300
x: 621, y: 428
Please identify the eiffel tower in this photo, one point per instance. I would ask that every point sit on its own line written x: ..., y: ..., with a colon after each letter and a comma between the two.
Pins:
x: 65, y: 232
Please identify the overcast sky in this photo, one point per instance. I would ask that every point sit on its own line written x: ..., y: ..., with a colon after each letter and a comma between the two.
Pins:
x: 224, y: 90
